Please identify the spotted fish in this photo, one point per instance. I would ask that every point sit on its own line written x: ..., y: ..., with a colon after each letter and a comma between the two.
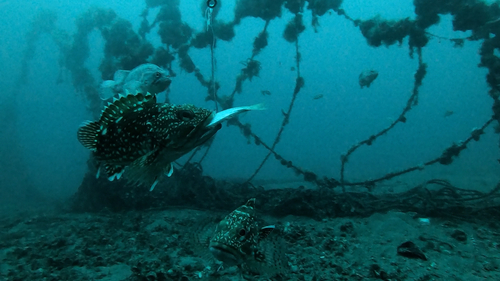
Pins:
x: 142, y: 138
x: 239, y: 241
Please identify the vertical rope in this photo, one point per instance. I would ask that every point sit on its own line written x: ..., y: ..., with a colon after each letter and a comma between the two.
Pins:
x: 209, y: 14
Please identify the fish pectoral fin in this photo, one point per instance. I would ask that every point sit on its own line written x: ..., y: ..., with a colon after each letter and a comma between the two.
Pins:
x: 113, y: 172
x: 87, y: 135
x: 269, y: 258
x: 145, y: 170
x: 147, y: 159
x: 265, y: 231
x: 259, y: 256
x: 250, y: 203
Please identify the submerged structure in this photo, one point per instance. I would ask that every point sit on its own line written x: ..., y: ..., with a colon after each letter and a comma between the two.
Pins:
x: 126, y: 48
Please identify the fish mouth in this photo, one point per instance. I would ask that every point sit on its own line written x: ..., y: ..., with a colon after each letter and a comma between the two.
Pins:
x: 223, y: 253
x: 204, y: 131
x: 163, y: 81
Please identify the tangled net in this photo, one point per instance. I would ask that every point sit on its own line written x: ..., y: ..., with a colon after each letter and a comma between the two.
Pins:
x: 190, y: 189
x: 126, y: 48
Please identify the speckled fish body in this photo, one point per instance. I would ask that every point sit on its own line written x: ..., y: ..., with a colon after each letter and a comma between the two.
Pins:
x: 239, y: 241
x: 142, y: 138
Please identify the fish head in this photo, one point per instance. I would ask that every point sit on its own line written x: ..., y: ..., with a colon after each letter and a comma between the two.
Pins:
x: 184, y: 127
x: 153, y: 78
x: 236, y: 236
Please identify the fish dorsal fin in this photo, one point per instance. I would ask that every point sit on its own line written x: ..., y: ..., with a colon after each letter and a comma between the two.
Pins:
x: 114, y: 111
x: 120, y: 76
x: 87, y: 134
x: 250, y: 203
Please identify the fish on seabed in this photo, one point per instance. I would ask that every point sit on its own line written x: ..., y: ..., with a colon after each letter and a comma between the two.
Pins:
x: 146, y: 78
x: 142, y: 138
x: 239, y: 241
x: 367, y: 77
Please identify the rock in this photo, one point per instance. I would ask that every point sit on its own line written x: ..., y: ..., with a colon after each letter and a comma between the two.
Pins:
x: 410, y: 250
x: 347, y: 227
x: 151, y: 276
x: 459, y: 235
x: 377, y: 272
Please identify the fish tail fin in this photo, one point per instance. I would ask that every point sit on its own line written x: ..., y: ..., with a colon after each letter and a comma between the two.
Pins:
x: 87, y: 134
x: 107, y: 89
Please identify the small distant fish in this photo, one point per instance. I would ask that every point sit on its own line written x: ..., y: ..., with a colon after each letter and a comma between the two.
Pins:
x: 448, y: 113
x: 239, y: 241
x: 265, y: 93
x: 317, y: 97
x: 292, y: 68
x: 367, y: 77
x: 146, y: 78
x: 138, y: 136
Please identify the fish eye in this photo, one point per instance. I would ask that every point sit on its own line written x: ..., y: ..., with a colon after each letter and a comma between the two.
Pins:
x: 157, y: 74
x: 242, y: 232
x: 185, y: 115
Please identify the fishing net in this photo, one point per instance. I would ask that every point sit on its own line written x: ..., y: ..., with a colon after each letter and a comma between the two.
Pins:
x: 126, y: 47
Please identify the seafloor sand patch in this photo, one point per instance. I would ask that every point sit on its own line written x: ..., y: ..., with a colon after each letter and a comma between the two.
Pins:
x: 157, y: 245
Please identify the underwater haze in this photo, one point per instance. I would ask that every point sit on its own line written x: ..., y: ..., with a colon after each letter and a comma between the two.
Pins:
x: 42, y: 107
x: 239, y: 140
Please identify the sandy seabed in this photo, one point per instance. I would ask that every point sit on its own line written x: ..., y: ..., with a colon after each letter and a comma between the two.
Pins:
x: 158, y: 245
